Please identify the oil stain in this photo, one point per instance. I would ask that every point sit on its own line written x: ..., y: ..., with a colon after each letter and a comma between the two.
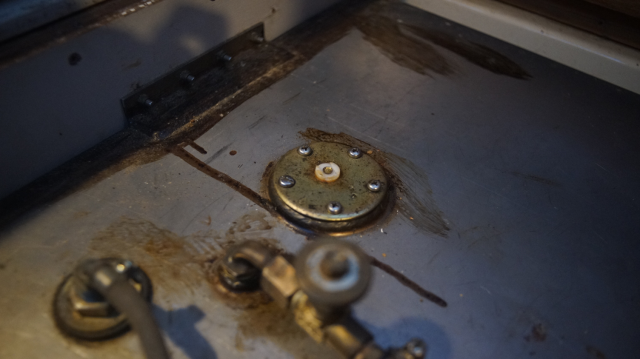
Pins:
x: 407, y: 40
x: 414, y: 195
x: 405, y: 51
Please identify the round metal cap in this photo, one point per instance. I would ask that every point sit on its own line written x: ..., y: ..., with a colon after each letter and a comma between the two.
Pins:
x: 332, y: 272
x: 310, y: 196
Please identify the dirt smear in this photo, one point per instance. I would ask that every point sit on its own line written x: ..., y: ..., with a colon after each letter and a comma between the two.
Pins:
x: 405, y: 281
x: 182, y: 264
x: 271, y: 322
x: 407, y: 37
x: 179, y: 264
x: 414, y: 195
x: 384, y: 33
x: 477, y: 54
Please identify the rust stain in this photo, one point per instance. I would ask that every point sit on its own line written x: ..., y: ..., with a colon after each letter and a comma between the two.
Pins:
x: 268, y: 321
x: 178, y: 263
x: 226, y: 179
x: 166, y: 257
x: 196, y: 146
x: 236, y: 300
x: 408, y: 180
x: 405, y: 281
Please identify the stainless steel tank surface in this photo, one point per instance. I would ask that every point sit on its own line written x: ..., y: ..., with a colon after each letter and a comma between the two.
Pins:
x: 489, y: 197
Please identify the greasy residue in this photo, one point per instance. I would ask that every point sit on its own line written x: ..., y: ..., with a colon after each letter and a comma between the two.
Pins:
x: 414, y: 195
x: 418, y: 56
x: 408, y: 42
x: 178, y: 263
x: 477, y: 54
x: 278, y: 325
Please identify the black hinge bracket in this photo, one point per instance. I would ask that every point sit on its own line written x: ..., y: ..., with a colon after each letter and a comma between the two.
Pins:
x: 158, y: 96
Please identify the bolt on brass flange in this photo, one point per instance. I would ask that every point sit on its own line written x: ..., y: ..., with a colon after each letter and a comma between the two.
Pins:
x: 82, y: 313
x: 337, y: 188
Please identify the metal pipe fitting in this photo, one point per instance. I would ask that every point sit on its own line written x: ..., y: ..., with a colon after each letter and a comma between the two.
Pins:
x: 116, y: 304
x: 326, y: 278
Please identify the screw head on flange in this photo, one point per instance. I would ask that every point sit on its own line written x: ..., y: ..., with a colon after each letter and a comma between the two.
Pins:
x: 355, y: 152
x: 334, y: 207
x: 286, y: 181
x: 374, y: 186
x: 305, y: 150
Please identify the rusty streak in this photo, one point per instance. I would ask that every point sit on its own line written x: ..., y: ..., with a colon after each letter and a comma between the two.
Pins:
x: 267, y: 205
x: 409, y: 283
x: 226, y: 179
x: 196, y: 147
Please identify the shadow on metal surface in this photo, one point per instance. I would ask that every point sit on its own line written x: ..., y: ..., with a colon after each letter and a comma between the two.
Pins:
x: 438, y: 343
x: 180, y: 326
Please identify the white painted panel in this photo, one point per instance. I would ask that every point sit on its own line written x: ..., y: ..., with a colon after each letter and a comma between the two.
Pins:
x: 596, y: 56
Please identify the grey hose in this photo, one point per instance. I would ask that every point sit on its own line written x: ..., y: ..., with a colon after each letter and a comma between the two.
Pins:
x: 123, y: 296
x: 119, y: 293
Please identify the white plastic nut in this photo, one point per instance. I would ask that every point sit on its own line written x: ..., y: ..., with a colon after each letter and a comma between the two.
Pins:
x: 327, y: 172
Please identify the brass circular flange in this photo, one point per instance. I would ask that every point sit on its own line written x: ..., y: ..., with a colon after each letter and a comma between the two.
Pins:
x: 312, y: 200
